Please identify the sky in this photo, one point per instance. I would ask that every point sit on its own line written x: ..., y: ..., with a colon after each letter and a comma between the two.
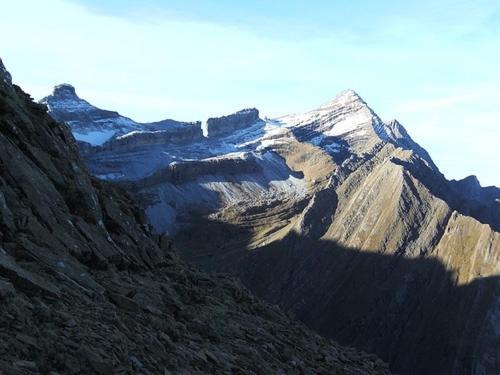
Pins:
x: 433, y: 65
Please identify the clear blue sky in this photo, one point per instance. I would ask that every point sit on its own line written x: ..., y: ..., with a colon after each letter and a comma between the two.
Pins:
x: 433, y: 65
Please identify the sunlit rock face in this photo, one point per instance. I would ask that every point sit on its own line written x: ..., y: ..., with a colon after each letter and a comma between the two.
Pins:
x: 339, y: 217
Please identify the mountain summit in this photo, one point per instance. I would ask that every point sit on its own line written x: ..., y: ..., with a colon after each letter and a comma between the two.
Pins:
x: 344, y: 98
x: 65, y: 91
x: 88, y: 123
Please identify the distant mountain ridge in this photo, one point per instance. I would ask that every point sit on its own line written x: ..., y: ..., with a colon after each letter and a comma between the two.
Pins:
x: 96, y: 126
x: 340, y: 217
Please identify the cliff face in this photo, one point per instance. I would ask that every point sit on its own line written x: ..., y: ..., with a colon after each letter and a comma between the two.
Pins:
x: 137, y: 140
x: 85, y: 287
x: 179, y: 173
x: 217, y: 126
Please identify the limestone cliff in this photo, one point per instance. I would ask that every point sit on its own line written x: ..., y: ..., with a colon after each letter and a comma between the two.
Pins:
x: 217, y: 126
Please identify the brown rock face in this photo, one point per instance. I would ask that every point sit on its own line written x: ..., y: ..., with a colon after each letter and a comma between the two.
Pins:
x: 85, y: 287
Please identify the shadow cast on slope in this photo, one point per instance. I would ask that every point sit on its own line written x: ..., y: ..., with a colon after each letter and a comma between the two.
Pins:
x: 410, y: 312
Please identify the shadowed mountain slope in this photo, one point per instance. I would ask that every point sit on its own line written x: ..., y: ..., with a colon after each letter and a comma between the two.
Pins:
x: 416, y: 313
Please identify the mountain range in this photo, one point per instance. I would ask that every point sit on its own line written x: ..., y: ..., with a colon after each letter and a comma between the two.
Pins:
x: 332, y: 214
x: 336, y: 216
x: 86, y: 286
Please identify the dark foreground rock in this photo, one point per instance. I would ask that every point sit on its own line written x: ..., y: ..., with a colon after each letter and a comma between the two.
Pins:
x: 85, y: 287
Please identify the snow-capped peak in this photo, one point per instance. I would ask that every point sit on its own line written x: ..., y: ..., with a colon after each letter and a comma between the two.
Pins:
x: 345, y: 114
x: 88, y: 123
x: 344, y: 98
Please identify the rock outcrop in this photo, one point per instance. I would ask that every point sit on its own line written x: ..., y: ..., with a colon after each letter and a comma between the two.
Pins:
x: 217, y: 126
x: 86, y: 287
x: 136, y: 140
x: 179, y: 173
x: 478, y: 201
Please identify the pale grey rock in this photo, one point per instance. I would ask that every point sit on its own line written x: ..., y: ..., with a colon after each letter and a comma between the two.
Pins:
x: 217, y: 126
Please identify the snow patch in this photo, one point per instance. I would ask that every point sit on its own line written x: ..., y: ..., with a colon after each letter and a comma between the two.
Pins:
x: 95, y: 138
x: 353, y: 123
x: 110, y: 176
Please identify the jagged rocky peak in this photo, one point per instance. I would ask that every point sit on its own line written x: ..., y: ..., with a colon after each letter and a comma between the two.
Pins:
x: 397, y: 132
x: 471, y: 181
x: 222, y: 125
x: 65, y: 91
x: 346, y: 116
x: 65, y: 105
x: 344, y: 98
x: 468, y: 187
x: 5, y: 75
x: 88, y: 123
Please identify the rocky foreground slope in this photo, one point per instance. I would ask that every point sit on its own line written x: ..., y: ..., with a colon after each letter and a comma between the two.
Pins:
x: 86, y: 287
x: 342, y: 219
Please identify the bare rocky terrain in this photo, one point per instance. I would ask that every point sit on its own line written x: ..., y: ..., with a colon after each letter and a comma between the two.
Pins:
x: 87, y: 287
x: 340, y: 218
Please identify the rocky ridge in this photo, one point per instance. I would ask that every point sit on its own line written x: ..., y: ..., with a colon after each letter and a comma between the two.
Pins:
x: 86, y: 287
